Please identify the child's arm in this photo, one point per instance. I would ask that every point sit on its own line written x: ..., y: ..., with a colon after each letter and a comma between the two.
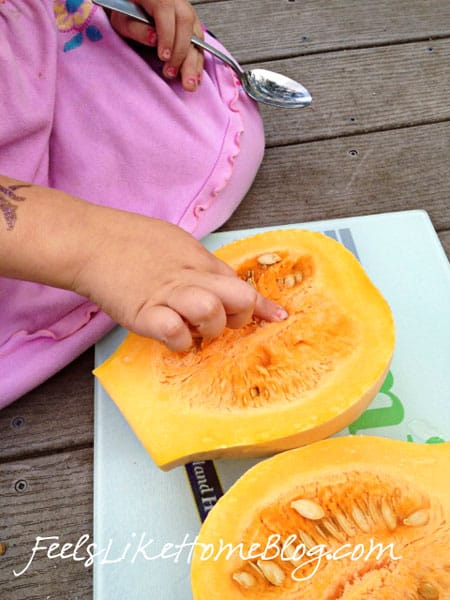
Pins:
x: 148, y: 275
x: 175, y: 23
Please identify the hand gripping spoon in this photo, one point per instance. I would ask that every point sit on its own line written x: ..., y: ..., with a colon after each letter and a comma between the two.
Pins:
x: 261, y: 85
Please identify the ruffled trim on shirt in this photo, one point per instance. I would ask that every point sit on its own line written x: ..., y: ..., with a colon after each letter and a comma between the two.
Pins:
x: 37, y: 358
x: 68, y: 325
x: 230, y: 89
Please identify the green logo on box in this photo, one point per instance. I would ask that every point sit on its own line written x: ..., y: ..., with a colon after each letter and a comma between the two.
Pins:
x: 387, y: 416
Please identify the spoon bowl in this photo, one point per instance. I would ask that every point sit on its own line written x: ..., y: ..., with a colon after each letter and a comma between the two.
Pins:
x: 275, y: 89
x: 261, y: 85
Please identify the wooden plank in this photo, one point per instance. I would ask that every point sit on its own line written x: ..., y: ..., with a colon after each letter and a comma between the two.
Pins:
x: 364, y: 90
x: 373, y: 173
x: 259, y: 30
x: 57, y: 414
x: 56, y: 501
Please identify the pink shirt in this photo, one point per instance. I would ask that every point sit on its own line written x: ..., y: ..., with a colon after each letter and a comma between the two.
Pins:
x: 83, y: 113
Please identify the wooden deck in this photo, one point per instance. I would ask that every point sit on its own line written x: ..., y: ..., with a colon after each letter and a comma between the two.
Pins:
x: 376, y: 139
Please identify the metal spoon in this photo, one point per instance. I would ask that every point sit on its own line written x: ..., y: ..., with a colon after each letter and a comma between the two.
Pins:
x: 261, y: 85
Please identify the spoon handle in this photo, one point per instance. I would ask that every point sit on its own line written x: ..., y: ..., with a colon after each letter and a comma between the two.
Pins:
x: 134, y: 10
x: 224, y: 57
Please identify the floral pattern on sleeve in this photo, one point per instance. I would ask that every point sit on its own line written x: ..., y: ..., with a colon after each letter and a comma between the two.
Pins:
x: 75, y: 16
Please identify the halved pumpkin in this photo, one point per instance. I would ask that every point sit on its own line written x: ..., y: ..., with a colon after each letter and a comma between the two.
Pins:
x: 268, y: 386
x: 349, y: 518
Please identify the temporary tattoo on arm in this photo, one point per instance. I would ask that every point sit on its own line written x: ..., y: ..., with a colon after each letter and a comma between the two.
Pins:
x: 7, y: 207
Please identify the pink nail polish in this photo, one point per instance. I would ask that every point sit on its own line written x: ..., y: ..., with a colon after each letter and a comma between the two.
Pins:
x: 166, y: 54
x: 152, y: 37
x: 171, y: 72
x: 281, y: 314
x: 192, y: 81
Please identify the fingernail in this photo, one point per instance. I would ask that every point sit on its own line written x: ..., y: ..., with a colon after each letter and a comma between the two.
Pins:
x: 192, y: 81
x: 281, y: 314
x: 152, y: 37
x: 199, y: 78
x: 171, y: 72
x: 165, y: 54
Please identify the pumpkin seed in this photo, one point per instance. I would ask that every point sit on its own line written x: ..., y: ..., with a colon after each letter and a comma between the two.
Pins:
x: 360, y: 519
x: 427, y: 591
x: 288, y: 553
x: 308, y: 509
x: 374, y: 510
x: 417, y: 518
x: 269, y: 259
x: 321, y: 531
x: 250, y: 278
x: 289, y: 281
x: 388, y: 514
x: 244, y: 579
x: 256, y: 568
x: 345, y: 524
x: 271, y: 571
x: 306, y: 539
x: 333, y: 530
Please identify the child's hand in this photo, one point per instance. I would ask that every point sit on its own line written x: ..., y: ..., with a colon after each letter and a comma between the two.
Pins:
x: 175, y: 23
x: 157, y: 280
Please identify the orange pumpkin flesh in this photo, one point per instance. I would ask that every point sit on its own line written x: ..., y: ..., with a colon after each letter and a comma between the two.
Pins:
x: 268, y: 386
x: 373, y: 513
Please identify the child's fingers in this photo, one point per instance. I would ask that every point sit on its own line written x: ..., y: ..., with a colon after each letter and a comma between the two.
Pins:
x: 187, y: 307
x: 163, y: 324
x: 200, y: 65
x: 175, y: 23
x: 201, y: 308
x: 134, y: 30
x: 237, y: 297
x: 165, y: 22
x: 242, y: 302
x: 185, y: 20
x: 268, y: 310
x: 190, y: 72
x: 192, y: 67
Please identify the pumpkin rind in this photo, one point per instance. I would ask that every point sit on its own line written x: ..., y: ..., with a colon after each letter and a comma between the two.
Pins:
x: 376, y: 511
x: 268, y: 386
